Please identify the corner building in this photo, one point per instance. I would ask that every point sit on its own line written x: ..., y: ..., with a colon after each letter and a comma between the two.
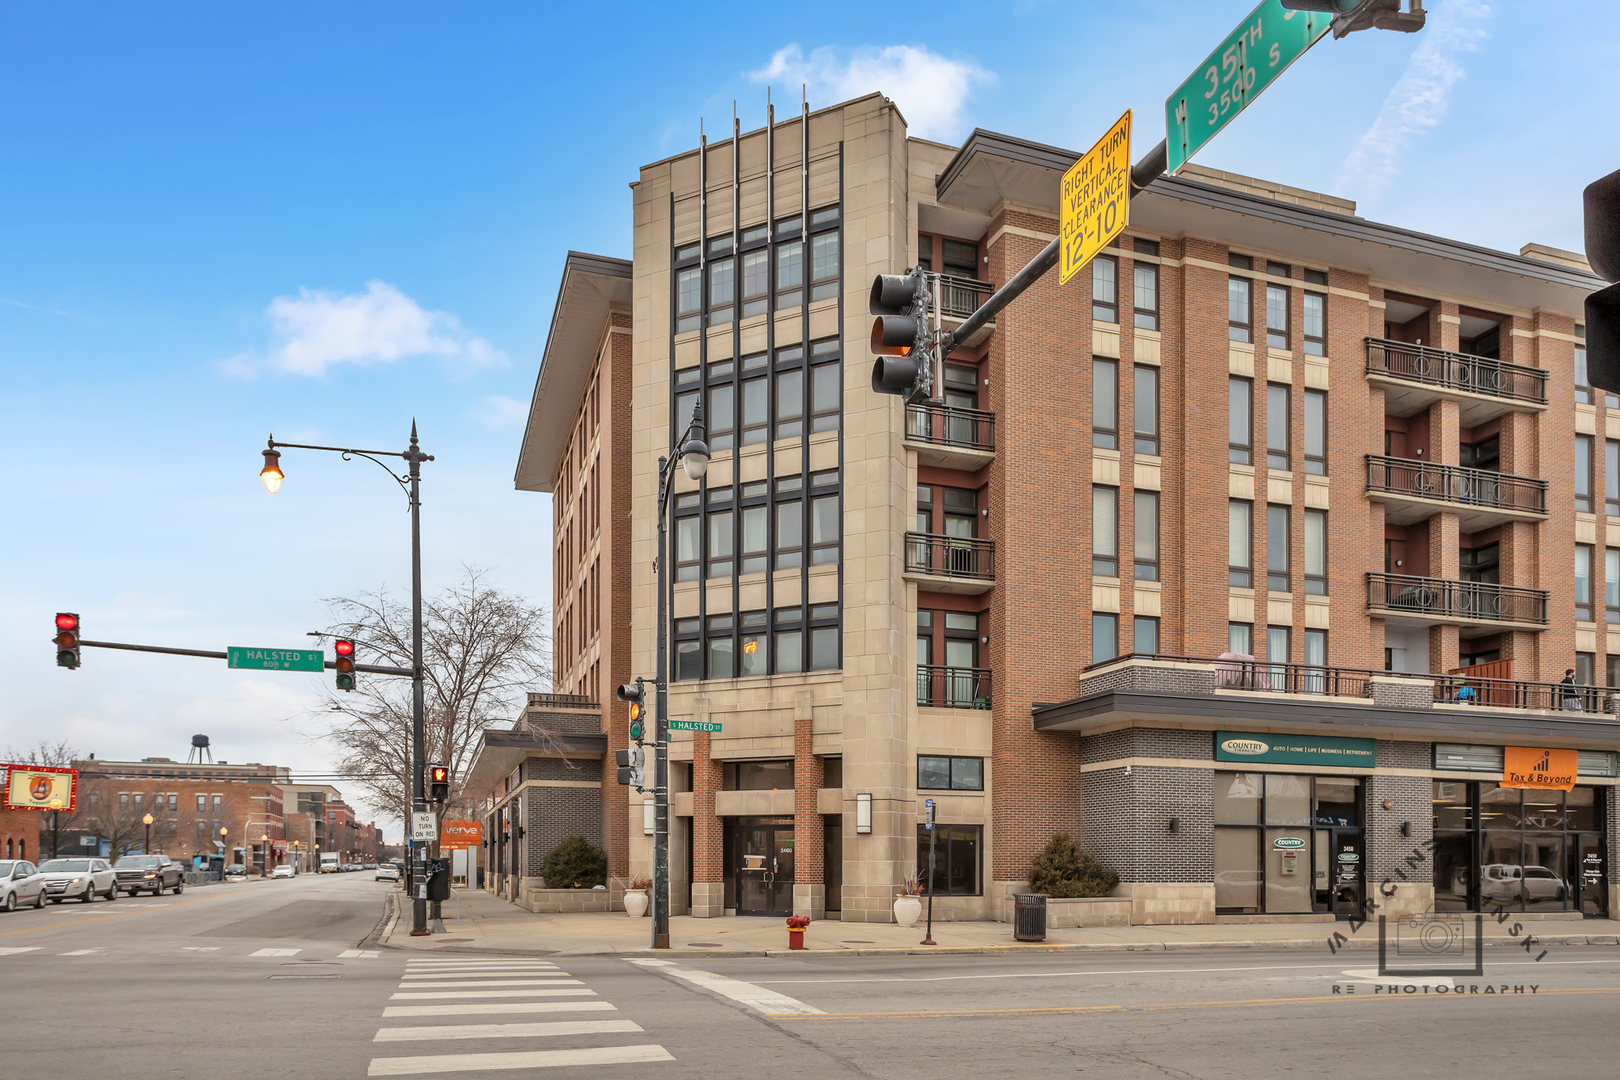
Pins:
x: 1011, y: 600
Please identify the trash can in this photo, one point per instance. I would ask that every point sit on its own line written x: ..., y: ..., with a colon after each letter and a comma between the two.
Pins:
x: 1029, y: 916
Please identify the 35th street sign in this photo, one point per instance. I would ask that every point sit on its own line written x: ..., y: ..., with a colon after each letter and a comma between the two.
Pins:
x: 1254, y: 54
x: 275, y: 659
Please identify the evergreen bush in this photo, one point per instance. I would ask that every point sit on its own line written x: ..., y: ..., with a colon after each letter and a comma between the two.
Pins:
x: 1062, y: 870
x: 576, y: 863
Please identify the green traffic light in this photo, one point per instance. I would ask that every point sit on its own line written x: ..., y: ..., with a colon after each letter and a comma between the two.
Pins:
x: 345, y: 682
x: 66, y: 658
x: 636, y: 730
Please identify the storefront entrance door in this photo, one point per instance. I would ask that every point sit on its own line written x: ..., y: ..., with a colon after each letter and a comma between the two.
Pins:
x: 1589, y: 871
x: 764, y: 869
x: 1338, y: 871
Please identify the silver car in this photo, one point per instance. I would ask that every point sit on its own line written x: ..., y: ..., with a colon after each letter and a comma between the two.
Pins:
x: 20, y: 883
x: 79, y: 879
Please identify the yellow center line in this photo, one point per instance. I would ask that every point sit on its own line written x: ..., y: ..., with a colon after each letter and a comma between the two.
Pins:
x: 117, y: 915
x: 1075, y: 1010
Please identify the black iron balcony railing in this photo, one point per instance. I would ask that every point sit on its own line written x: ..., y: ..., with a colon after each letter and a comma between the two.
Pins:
x: 948, y: 425
x: 950, y: 556
x: 1463, y: 689
x: 1455, y: 371
x: 1463, y: 601
x: 960, y: 297
x: 1451, y: 483
x: 953, y: 687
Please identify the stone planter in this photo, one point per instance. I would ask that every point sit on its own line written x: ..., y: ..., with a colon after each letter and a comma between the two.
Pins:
x: 907, y: 910
x: 635, y: 902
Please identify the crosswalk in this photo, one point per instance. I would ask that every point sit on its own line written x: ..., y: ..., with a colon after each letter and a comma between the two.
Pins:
x: 438, y: 989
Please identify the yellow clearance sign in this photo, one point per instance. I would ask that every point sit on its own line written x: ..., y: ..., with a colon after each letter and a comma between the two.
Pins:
x: 1539, y: 769
x: 33, y: 788
x: 1096, y: 198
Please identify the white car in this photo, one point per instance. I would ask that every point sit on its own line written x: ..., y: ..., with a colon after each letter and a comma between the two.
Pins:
x: 284, y: 870
x: 20, y: 883
x: 387, y: 872
x: 81, y: 879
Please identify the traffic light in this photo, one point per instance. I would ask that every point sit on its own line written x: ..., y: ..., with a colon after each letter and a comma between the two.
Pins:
x: 67, y: 639
x: 438, y: 783
x: 1353, y: 15
x: 900, y: 335
x: 345, y: 663
x: 631, y: 763
x: 636, y: 694
x: 1601, y: 201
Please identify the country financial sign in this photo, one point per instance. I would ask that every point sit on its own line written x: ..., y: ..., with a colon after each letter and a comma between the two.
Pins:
x: 31, y: 787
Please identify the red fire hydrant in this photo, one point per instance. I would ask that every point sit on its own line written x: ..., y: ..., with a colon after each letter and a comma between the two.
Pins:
x: 796, y: 925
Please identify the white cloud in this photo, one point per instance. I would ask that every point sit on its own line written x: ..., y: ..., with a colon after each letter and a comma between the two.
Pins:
x: 1419, y: 99
x: 316, y: 330
x: 498, y: 411
x: 930, y: 90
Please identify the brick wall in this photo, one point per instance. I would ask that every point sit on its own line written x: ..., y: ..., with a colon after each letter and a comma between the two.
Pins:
x: 1126, y: 817
x: 1386, y: 850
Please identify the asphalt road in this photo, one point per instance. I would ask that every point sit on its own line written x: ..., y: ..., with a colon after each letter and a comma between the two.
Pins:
x: 268, y: 979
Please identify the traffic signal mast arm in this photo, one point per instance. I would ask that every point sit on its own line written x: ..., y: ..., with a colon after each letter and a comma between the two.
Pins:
x: 208, y: 654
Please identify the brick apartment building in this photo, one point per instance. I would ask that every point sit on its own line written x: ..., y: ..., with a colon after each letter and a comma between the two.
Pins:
x: 1387, y: 432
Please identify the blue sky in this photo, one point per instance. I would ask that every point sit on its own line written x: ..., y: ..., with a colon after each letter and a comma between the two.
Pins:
x: 218, y: 221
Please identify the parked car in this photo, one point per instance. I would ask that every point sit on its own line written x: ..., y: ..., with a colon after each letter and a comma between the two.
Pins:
x: 20, y: 883
x: 155, y: 872
x: 284, y: 870
x: 388, y: 872
x: 82, y: 879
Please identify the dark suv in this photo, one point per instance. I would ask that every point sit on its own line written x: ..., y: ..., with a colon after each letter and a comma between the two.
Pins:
x: 155, y: 872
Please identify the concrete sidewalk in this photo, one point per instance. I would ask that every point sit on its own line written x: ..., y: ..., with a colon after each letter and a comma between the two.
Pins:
x: 477, y: 921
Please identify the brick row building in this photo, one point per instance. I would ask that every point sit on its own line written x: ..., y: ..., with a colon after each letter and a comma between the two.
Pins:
x: 1004, y: 600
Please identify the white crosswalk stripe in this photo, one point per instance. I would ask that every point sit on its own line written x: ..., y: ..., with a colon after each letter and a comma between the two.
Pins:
x: 491, y: 987
x: 277, y: 952
x: 80, y: 952
x: 746, y: 993
x: 359, y: 954
x: 10, y: 950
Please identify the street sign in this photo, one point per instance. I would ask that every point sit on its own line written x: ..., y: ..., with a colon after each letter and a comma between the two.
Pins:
x: 275, y: 659
x: 928, y: 808
x: 1095, y: 198
x: 424, y: 826
x: 1254, y: 54
x: 88, y: 841
x: 693, y: 725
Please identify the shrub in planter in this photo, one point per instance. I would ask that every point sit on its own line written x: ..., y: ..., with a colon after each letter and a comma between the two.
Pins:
x: 576, y: 863
x: 1062, y: 870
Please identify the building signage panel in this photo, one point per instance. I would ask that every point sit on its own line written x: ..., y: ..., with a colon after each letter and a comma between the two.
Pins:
x: 1095, y: 199
x: 237, y: 656
x: 1288, y: 843
x: 1273, y: 749
x: 1538, y: 768
x: 461, y: 834
x: 424, y: 826
x: 32, y: 787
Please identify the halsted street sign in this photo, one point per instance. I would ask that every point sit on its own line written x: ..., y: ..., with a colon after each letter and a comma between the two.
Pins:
x: 1264, y: 44
x: 276, y: 659
x: 693, y: 725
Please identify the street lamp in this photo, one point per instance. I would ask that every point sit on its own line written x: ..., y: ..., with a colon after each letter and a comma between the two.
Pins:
x: 223, y: 833
x: 56, y: 809
x: 692, y: 451
x: 272, y: 476
x: 148, y: 821
x: 264, y: 850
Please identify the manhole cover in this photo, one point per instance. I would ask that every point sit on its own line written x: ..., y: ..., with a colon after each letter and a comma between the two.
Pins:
x: 704, y: 945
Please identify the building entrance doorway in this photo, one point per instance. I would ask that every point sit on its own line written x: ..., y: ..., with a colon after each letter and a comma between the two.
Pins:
x: 1338, y: 857
x: 763, y: 868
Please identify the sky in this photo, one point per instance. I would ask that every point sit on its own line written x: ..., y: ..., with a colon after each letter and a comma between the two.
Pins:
x: 321, y: 221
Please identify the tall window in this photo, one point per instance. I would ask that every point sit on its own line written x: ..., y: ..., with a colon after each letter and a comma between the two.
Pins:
x: 957, y: 859
x: 1240, y: 543
x: 688, y: 537
x: 1611, y: 477
x: 721, y: 648
x: 1583, y: 472
x: 789, y: 392
x: 824, y: 637
x: 1239, y: 309
x: 1277, y: 425
x: 1145, y: 535
x: 1104, y: 403
x: 1104, y: 289
x: 753, y: 657
x: 1316, y: 648
x: 789, y: 263
x: 1239, y: 420
x: 1316, y: 432
x: 789, y: 640
x: 1316, y: 552
x: 1146, y: 280
x: 1145, y: 409
x: 722, y: 281
x: 1315, y: 328
x: 1583, y: 381
x: 826, y: 387
x: 1277, y: 547
x: 1104, y: 531
x: 721, y: 544
x: 756, y: 270
x: 1240, y: 638
x: 755, y: 538
x: 1276, y: 316
x: 789, y: 522
x: 1277, y: 644
x: 722, y: 415
x: 756, y: 407
x: 688, y: 288
x: 1145, y: 635
x: 824, y: 529
x: 824, y: 253
x: 1611, y: 586
x: 1104, y: 636
x: 1583, y: 582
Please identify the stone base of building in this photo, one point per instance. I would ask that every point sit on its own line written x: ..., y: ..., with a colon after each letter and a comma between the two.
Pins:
x: 1070, y: 912
x: 532, y: 895
x: 708, y: 899
x: 870, y: 904
x: 810, y: 900
x: 1166, y: 904
x: 1411, y: 898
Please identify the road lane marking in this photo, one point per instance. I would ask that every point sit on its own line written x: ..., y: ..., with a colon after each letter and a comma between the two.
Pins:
x: 481, y: 965
x: 358, y: 954
x: 527, y: 1059
x: 492, y: 1007
x: 199, y: 948
x: 505, y: 969
x: 445, y: 995
x: 479, y: 983
x: 516, y: 973
x: 79, y: 952
x: 745, y: 993
x: 277, y: 952
x: 506, y: 1031
x: 20, y: 949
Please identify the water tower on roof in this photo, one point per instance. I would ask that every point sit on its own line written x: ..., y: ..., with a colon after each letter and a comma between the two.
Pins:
x: 200, y: 749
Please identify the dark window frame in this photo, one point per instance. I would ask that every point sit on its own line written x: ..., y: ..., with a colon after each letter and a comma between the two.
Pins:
x: 1240, y: 453
x: 1144, y: 318
x: 1145, y: 440
x: 970, y: 834
x: 1583, y: 476
x: 1138, y: 622
x: 1315, y: 584
x: 1583, y: 607
x: 1105, y: 310
x: 1105, y: 437
x: 1145, y: 569
x: 1240, y: 576
x: 1240, y: 330
x: 1279, y: 457
x: 950, y: 772
x: 1315, y: 401
x: 1314, y: 344
x: 1104, y: 565
x: 1282, y: 333
x: 1285, y: 574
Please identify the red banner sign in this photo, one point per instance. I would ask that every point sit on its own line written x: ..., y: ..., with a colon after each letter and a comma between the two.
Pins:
x: 33, y: 787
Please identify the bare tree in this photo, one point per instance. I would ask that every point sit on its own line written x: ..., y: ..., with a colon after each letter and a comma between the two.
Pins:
x: 482, y: 650
x: 119, y: 821
x: 51, y: 754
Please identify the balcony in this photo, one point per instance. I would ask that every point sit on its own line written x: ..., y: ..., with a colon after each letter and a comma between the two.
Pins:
x: 950, y: 564
x: 942, y: 687
x: 1414, y: 490
x: 1407, y: 600
x: 1414, y: 377
x: 949, y: 437
x: 960, y: 297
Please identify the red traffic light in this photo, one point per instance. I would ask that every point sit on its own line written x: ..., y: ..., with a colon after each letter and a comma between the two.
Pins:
x: 341, y: 646
x: 66, y: 621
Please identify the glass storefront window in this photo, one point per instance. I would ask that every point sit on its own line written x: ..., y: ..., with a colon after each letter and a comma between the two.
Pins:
x: 1452, y: 858
x: 1237, y: 869
x: 1543, y: 809
x: 1498, y: 807
x: 1288, y: 878
x: 1582, y: 809
x: 1288, y: 799
x: 1288, y: 844
x: 1536, y: 850
x: 1237, y: 798
x: 1451, y: 807
x: 1336, y: 801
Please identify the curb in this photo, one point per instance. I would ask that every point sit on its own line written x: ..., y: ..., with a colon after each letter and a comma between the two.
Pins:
x: 384, y: 930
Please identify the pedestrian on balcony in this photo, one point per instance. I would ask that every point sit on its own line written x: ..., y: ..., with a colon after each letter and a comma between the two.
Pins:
x: 1571, y: 699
